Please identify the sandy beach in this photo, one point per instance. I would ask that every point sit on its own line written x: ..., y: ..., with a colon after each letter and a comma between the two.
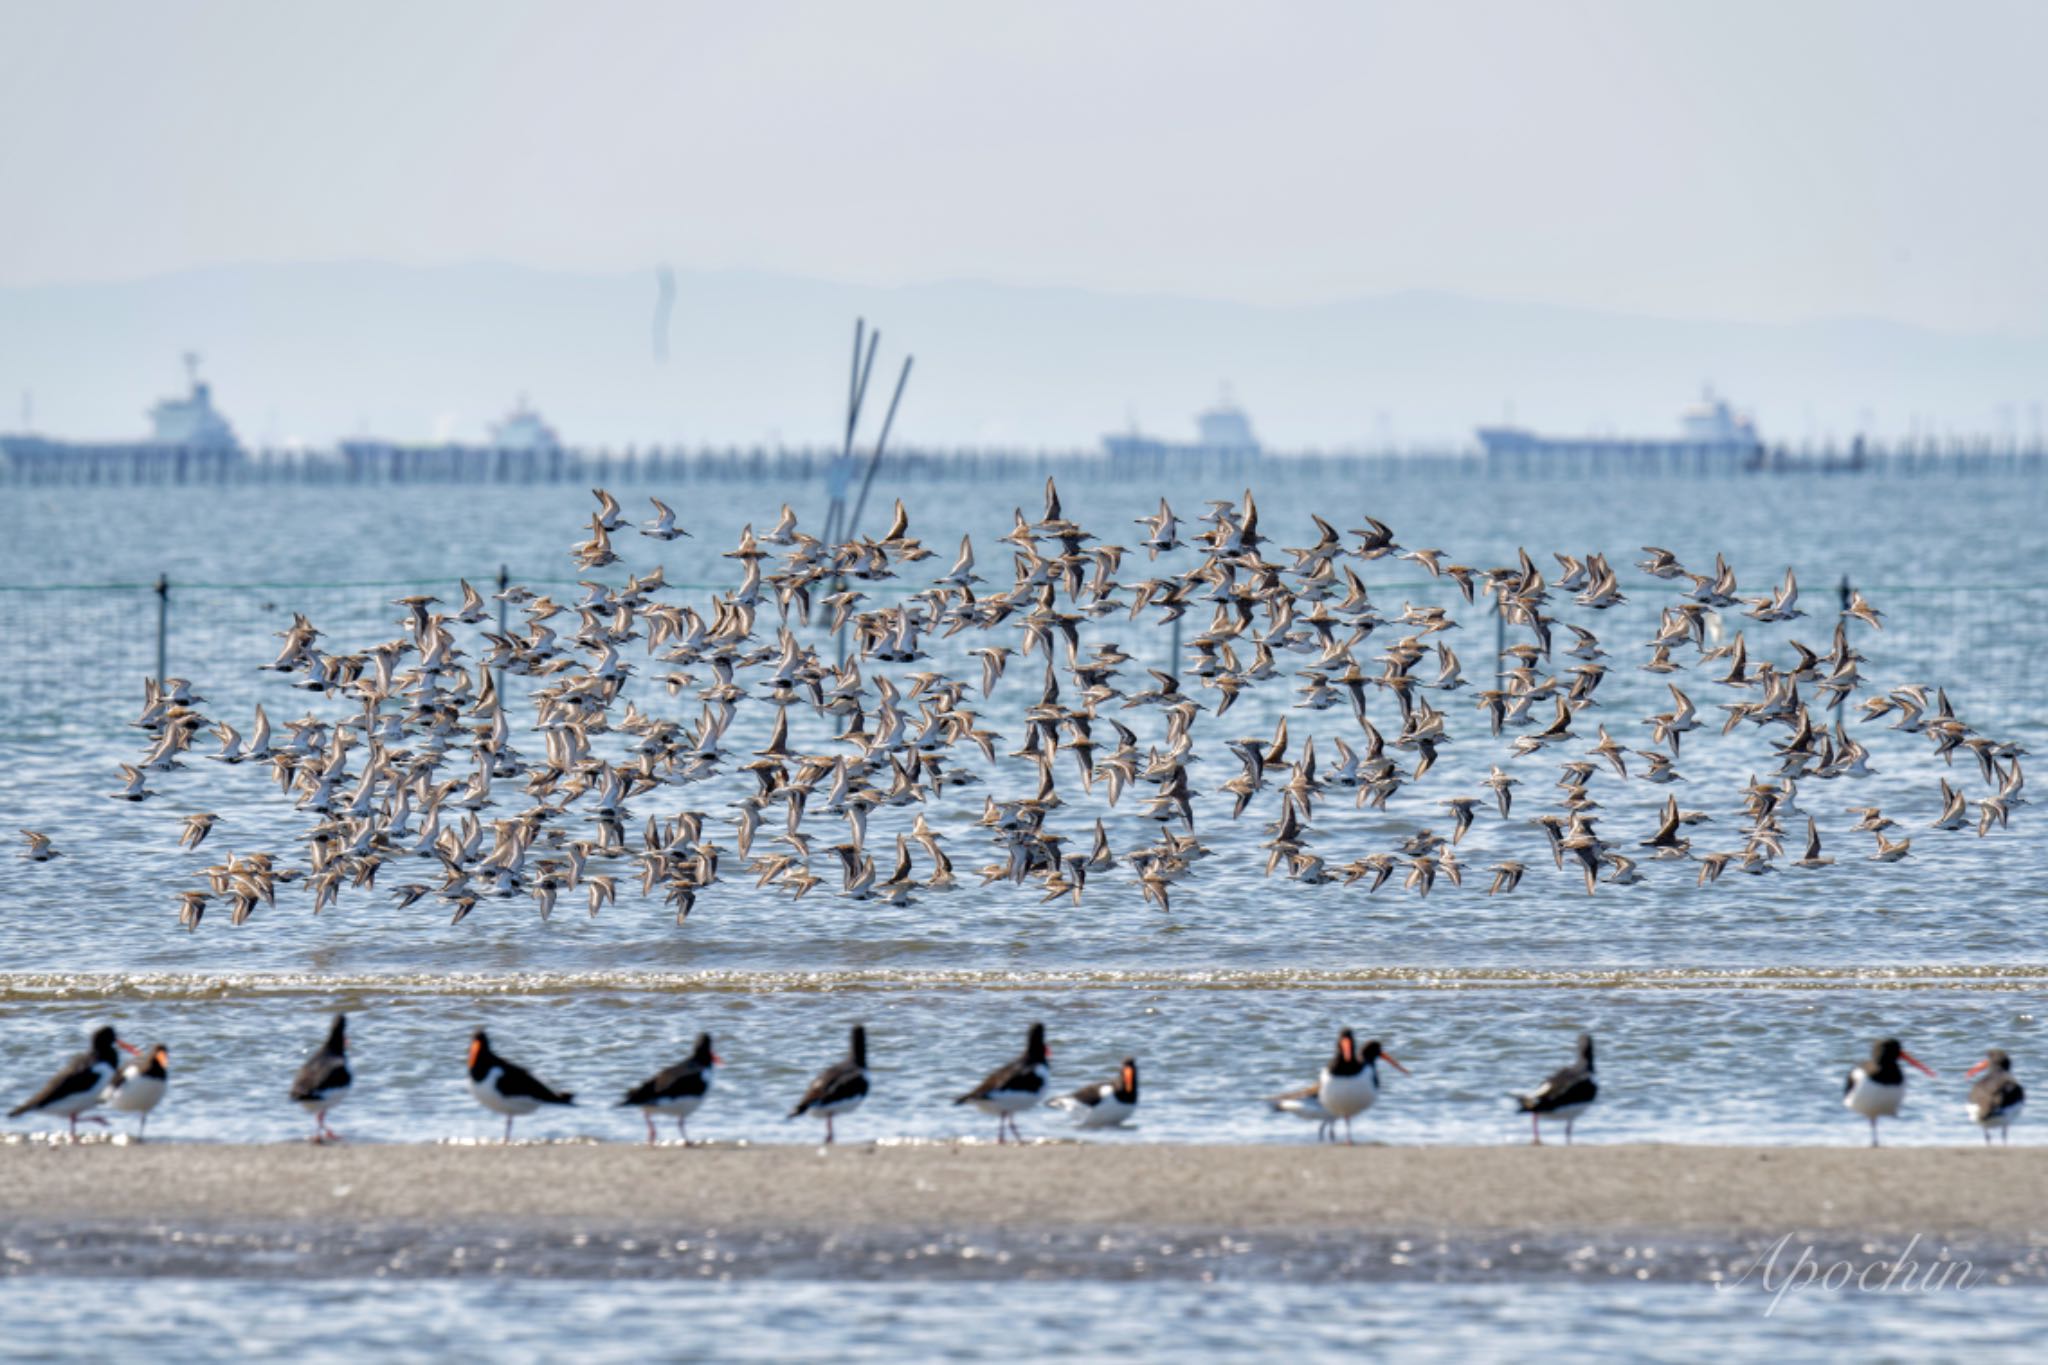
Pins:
x: 1737, y: 1192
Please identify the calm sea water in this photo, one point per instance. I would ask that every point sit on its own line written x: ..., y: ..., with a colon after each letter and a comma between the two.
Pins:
x: 1725, y: 1014
x: 1144, y: 1320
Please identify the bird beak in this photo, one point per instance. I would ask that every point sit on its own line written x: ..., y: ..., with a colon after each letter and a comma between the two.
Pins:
x: 473, y: 1046
x: 1906, y: 1056
x: 717, y: 1060
x: 1979, y: 1067
x: 129, y: 1048
x: 1388, y: 1058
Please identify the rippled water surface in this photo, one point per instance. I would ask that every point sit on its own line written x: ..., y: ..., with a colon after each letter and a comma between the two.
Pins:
x: 1149, y: 1321
x: 1725, y: 1014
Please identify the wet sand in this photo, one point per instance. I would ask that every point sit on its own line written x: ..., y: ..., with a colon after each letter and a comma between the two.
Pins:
x: 1738, y: 1193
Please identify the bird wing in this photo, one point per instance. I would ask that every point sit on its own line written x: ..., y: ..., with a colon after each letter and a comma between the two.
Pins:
x: 838, y: 1082
x: 323, y: 1073
x: 80, y: 1074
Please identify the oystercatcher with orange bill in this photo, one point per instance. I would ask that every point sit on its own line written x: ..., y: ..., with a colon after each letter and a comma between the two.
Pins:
x: 1875, y: 1087
x: 81, y: 1082
x: 1568, y: 1093
x: 1996, y: 1099
x: 1013, y: 1087
x: 678, y: 1090
x: 1350, y: 1083
x: 1105, y: 1104
x: 324, y: 1080
x: 840, y: 1087
x: 139, y: 1086
x: 504, y: 1088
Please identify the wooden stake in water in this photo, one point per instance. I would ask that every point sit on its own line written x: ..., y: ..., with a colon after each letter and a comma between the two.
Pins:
x: 163, y: 626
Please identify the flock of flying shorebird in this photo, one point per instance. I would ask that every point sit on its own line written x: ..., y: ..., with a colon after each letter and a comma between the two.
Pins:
x: 429, y: 759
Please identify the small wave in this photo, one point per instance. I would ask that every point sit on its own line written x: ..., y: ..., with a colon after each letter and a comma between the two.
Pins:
x: 21, y: 987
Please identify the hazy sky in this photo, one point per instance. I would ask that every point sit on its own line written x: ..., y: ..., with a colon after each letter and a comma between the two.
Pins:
x: 1766, y: 161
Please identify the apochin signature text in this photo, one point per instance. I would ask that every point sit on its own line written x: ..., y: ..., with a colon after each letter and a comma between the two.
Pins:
x: 1783, y: 1272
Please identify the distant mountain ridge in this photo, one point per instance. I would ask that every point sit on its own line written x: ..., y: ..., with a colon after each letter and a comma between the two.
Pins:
x: 318, y: 352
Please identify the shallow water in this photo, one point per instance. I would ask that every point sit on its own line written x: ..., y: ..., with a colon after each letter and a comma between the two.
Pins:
x: 1725, y: 1015
x: 1147, y: 1320
x: 1707, y: 1058
x: 1955, y: 564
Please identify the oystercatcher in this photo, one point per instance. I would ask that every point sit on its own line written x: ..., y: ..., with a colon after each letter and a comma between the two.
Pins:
x: 1996, y: 1100
x: 79, y: 1086
x: 840, y: 1087
x: 1874, y: 1088
x: 139, y: 1086
x: 1350, y: 1082
x: 504, y: 1088
x: 1105, y: 1104
x: 1013, y: 1087
x: 678, y: 1090
x: 1307, y: 1103
x: 324, y: 1080
x: 1568, y: 1093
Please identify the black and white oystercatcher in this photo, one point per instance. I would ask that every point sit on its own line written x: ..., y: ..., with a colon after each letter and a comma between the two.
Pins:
x: 1874, y: 1088
x: 139, y: 1086
x: 678, y: 1090
x: 80, y: 1084
x: 1013, y: 1087
x: 1105, y: 1104
x: 840, y: 1087
x: 1350, y: 1083
x: 324, y: 1080
x: 1996, y: 1099
x: 1568, y: 1093
x: 1307, y: 1103
x: 504, y: 1088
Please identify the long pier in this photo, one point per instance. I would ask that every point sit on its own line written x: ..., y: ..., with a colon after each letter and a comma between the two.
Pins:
x: 30, y: 461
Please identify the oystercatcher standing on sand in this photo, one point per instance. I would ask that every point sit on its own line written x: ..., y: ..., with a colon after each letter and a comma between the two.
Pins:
x: 1013, y: 1087
x: 139, y: 1086
x: 1350, y: 1083
x: 678, y: 1090
x: 324, y: 1080
x: 1105, y: 1104
x: 1875, y: 1088
x: 1568, y: 1093
x: 504, y: 1088
x: 1996, y: 1100
x: 840, y: 1087
x: 80, y: 1084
